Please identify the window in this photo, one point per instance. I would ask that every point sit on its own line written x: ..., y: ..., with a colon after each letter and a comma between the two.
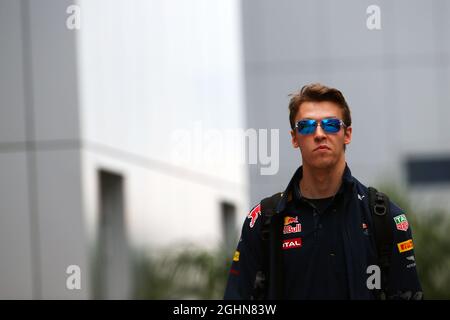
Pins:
x: 228, y: 224
x: 428, y: 171
x: 113, y: 265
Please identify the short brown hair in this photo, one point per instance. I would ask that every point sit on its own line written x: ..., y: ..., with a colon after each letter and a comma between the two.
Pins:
x: 317, y: 92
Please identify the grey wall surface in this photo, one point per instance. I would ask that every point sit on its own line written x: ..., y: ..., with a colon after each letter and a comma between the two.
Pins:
x: 41, y: 225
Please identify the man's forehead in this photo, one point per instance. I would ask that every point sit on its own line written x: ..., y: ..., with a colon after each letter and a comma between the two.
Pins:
x: 319, y: 110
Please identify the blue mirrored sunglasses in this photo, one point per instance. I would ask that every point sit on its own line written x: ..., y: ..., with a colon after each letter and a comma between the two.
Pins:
x: 330, y: 125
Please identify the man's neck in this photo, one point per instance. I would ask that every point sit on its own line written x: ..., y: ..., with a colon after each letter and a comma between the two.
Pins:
x: 321, y: 183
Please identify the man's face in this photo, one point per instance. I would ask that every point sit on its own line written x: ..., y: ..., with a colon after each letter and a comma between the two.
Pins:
x: 321, y: 149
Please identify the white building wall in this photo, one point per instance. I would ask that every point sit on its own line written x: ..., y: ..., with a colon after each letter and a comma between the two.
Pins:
x: 156, y: 77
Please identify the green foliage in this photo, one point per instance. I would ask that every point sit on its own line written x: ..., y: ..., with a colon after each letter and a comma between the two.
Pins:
x: 191, y: 273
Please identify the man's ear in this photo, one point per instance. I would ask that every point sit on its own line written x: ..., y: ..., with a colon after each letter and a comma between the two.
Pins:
x: 348, y: 135
x: 294, y: 139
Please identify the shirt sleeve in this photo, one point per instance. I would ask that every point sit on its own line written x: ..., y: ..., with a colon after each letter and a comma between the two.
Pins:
x: 403, y: 280
x: 246, y: 259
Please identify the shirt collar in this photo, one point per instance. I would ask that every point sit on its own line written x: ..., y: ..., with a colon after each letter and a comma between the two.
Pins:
x: 293, y: 189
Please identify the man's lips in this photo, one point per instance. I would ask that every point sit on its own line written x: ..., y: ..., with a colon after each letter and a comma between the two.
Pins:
x: 322, y: 147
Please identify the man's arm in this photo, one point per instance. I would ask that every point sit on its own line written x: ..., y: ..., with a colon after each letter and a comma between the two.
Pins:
x: 403, y: 278
x: 246, y: 259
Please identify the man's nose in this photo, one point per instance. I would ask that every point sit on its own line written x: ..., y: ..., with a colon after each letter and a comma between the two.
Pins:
x: 319, y: 134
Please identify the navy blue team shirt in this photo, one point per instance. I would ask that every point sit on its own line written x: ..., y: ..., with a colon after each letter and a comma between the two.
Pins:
x: 327, y: 246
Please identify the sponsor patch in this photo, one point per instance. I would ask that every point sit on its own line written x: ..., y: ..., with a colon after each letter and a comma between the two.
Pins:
x: 290, y: 229
x: 235, y: 272
x: 405, y: 245
x: 413, y: 264
x: 365, y: 229
x: 288, y: 220
x: 401, y: 222
x: 236, y: 256
x: 292, y: 243
x: 254, y: 214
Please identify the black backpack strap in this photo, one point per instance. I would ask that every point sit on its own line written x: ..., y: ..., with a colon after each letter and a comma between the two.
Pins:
x: 270, y: 242
x: 379, y: 206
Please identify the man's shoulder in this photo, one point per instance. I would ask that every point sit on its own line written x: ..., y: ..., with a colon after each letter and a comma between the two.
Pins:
x: 363, y: 190
x: 274, y: 197
x: 395, y: 209
x: 254, y: 217
x: 360, y: 187
x: 270, y: 200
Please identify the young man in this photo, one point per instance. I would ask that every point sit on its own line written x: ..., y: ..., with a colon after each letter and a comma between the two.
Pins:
x: 322, y: 241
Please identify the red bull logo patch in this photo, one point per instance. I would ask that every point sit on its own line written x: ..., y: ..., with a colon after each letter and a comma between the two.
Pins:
x: 288, y: 220
x: 254, y: 214
x: 292, y: 243
x: 290, y: 229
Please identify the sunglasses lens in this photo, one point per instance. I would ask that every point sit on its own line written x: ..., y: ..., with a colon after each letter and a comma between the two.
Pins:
x: 307, y: 126
x: 331, y: 125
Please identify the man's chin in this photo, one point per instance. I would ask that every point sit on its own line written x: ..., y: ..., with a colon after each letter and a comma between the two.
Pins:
x: 323, y: 163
